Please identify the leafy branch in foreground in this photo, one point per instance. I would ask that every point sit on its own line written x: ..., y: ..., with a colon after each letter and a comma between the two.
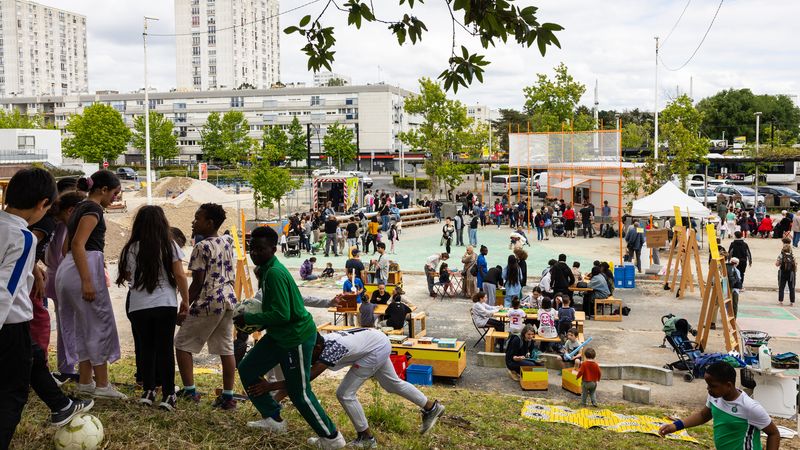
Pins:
x: 491, y: 21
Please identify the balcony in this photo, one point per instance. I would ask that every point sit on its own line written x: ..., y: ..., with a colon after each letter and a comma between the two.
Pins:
x: 8, y: 156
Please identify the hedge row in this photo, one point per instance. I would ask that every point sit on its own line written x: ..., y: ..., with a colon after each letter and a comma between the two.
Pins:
x: 408, y: 182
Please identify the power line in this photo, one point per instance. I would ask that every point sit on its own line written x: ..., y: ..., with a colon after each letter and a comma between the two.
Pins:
x: 195, y: 33
x: 698, y: 45
x: 664, y: 42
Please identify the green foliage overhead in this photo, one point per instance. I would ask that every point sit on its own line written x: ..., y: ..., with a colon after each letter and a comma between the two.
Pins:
x: 443, y: 130
x: 491, y: 22
x: 163, y: 143
x: 553, y: 102
x: 339, y: 144
x: 296, y: 150
x: 733, y: 111
x: 15, y: 119
x: 96, y: 135
x: 226, y: 139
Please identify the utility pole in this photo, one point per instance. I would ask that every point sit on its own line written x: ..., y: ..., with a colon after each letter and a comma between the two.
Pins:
x: 358, y: 149
x: 402, y: 155
x: 490, y: 165
x: 655, y: 109
x: 758, y: 124
x: 147, y: 118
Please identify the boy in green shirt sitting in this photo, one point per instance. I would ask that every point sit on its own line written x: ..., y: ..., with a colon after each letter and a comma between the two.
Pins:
x: 738, y: 419
x: 290, y: 336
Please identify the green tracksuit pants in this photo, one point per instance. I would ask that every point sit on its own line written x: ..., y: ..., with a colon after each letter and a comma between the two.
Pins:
x: 296, y: 366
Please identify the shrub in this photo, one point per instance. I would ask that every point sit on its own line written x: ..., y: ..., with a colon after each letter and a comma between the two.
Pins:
x: 408, y: 182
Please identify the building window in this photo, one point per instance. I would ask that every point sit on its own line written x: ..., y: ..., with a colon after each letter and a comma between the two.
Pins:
x: 26, y: 142
x: 212, y: 39
x: 315, y: 100
x: 350, y: 101
x: 180, y: 117
x: 195, y: 21
x: 237, y: 102
x: 179, y: 105
x: 195, y: 51
x: 196, y: 81
x: 195, y: 41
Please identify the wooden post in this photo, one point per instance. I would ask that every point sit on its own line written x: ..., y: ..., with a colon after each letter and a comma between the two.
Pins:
x: 719, y: 297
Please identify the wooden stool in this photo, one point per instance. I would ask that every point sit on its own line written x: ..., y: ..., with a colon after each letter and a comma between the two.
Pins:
x: 533, y: 378
x: 422, y: 318
x: 569, y: 382
x: 600, y: 305
x: 492, y: 336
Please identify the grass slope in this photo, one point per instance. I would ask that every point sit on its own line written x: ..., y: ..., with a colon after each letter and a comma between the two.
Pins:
x: 473, y: 420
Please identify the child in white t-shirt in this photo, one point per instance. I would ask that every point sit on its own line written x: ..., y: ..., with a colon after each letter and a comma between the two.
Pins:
x: 547, y: 323
x: 516, y: 317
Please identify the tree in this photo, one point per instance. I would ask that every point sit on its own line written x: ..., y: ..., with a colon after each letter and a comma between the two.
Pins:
x: 336, y: 82
x: 732, y: 111
x: 99, y: 134
x: 211, y: 137
x: 244, y: 87
x: 680, y: 127
x: 269, y: 183
x: 475, y: 140
x: 441, y: 133
x: 490, y: 21
x: 636, y: 136
x: 163, y: 143
x: 339, y: 146
x: 451, y: 174
x: 16, y: 119
x: 275, y: 137
x: 296, y: 150
x: 552, y: 103
x: 510, y: 119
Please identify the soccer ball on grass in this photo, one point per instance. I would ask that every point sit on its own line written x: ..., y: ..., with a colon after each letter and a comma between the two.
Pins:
x: 83, y: 432
x: 250, y: 305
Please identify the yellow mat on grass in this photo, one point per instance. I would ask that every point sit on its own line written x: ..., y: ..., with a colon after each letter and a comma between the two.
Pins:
x: 603, y: 418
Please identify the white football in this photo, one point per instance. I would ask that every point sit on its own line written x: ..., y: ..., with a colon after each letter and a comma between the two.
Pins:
x: 250, y: 305
x: 83, y: 432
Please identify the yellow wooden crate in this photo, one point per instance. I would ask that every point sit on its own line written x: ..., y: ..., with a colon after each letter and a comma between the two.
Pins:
x: 533, y: 378
x: 569, y: 382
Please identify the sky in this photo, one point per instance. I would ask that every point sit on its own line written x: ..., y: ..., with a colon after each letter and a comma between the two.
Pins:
x: 751, y: 45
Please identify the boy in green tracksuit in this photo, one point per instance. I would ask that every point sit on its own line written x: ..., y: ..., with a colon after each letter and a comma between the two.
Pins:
x: 289, y: 341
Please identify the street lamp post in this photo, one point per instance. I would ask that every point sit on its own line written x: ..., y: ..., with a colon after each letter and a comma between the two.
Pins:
x: 147, y: 118
x: 758, y: 125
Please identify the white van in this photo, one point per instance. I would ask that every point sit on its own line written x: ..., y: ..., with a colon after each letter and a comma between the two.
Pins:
x: 502, y: 184
x: 539, y: 184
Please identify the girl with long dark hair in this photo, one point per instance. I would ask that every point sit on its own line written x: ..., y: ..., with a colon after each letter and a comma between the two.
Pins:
x: 81, y: 282
x: 512, y: 275
x: 151, y: 264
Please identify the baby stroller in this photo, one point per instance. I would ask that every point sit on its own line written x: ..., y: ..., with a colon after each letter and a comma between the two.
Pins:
x: 293, y: 246
x: 676, y: 332
x: 558, y: 227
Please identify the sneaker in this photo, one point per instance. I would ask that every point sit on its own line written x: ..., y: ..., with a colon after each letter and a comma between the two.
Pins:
x: 109, y: 392
x: 430, y: 417
x: 359, y: 442
x: 269, y: 424
x: 513, y: 375
x: 87, y: 389
x: 193, y: 396
x: 147, y: 398
x: 328, y: 443
x: 61, y: 418
x: 169, y: 403
x: 225, y: 404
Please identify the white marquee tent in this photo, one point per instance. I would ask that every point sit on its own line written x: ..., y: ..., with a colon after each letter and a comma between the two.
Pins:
x: 661, y: 202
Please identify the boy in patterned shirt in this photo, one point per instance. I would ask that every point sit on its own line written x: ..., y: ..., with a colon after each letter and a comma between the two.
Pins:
x: 212, y: 298
x: 738, y: 419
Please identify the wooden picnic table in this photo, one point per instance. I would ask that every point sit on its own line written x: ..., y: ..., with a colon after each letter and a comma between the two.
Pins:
x: 575, y: 288
x: 379, y: 310
x: 580, y: 318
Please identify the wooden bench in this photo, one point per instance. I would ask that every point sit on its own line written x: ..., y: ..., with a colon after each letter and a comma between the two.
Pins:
x: 422, y: 318
x: 327, y: 327
x: 398, y: 332
x: 493, y: 335
x: 600, y: 305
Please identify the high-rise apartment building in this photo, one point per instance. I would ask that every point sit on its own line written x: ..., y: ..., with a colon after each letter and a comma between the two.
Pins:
x: 224, y: 44
x: 42, y: 50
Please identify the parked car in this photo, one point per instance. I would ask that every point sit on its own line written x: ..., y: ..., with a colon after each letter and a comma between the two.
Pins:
x: 712, y: 183
x: 747, y: 194
x: 327, y: 170
x: 367, y: 181
x: 126, y: 173
x: 781, y: 191
x: 213, y: 167
x: 539, y: 184
x: 502, y: 184
x: 702, y: 195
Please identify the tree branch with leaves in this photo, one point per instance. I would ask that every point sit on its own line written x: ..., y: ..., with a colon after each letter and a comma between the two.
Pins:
x: 491, y: 21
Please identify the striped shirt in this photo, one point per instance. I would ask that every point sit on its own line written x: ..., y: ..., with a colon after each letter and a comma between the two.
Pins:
x: 17, y: 257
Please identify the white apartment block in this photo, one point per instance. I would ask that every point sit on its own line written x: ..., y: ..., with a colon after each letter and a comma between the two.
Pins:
x: 374, y: 110
x: 42, y: 50
x: 482, y: 114
x: 324, y: 77
x: 223, y: 44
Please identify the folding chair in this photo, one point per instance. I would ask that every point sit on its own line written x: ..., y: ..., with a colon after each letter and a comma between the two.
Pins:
x: 481, y: 331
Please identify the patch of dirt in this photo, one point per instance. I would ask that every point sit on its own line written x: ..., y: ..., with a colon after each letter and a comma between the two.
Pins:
x: 169, y: 187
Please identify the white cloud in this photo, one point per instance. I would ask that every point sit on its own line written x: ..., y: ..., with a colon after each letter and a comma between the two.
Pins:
x: 752, y: 44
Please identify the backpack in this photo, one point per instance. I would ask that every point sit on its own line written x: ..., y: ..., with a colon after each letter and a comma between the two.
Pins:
x: 787, y: 263
x: 474, y: 270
